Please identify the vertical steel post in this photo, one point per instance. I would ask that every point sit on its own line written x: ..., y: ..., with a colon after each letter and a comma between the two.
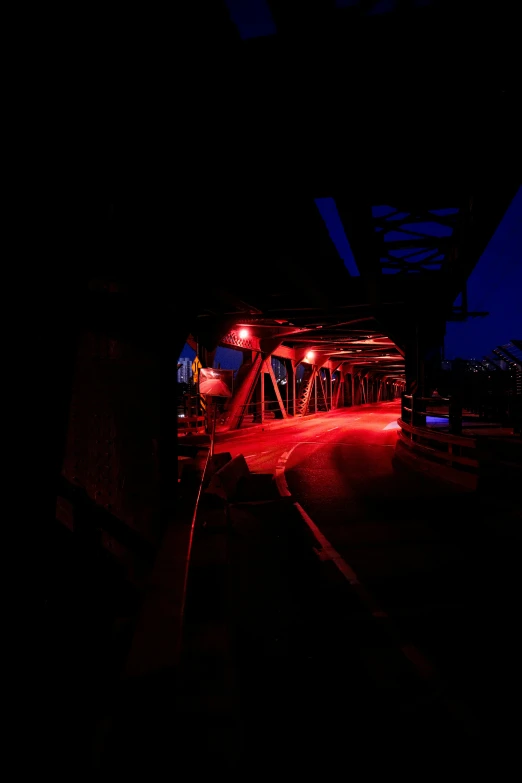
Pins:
x: 294, y: 402
x: 213, y: 432
x: 286, y: 368
x: 262, y: 381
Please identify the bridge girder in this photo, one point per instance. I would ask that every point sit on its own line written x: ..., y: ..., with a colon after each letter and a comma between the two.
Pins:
x: 384, y: 120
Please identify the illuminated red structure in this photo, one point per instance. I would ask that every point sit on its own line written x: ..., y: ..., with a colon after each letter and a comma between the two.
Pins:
x: 343, y: 129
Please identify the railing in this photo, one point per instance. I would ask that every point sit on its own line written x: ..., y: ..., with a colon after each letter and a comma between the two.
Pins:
x: 193, y: 424
x: 455, y: 451
x: 450, y: 449
x: 504, y: 410
x: 415, y: 409
x: 258, y: 411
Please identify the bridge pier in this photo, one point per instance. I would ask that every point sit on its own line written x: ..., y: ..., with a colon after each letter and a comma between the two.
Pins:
x: 422, y: 349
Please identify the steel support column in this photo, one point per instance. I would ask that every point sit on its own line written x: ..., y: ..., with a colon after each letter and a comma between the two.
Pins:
x: 294, y: 401
x: 270, y: 372
x: 420, y: 356
x: 244, y: 394
x: 262, y: 392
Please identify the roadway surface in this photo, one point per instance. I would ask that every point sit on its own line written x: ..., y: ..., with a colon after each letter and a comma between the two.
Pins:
x: 432, y: 566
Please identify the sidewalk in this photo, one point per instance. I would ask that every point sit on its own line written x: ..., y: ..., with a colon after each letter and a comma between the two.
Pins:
x: 284, y: 668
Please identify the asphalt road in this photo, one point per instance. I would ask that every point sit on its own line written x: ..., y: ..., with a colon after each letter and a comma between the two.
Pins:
x: 429, y: 560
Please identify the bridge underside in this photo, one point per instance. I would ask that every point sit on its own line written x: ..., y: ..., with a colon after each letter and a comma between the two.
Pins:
x: 366, y: 292
x: 321, y: 366
x: 180, y: 180
x: 328, y: 184
x: 393, y: 126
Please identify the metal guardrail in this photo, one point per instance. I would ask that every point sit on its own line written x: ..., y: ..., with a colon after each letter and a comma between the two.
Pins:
x: 474, y: 461
x: 420, y: 407
x: 505, y: 409
x: 191, y: 423
x: 260, y: 409
x: 451, y: 449
x: 448, y: 449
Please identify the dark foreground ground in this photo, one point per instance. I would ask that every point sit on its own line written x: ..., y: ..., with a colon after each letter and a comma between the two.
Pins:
x: 288, y: 666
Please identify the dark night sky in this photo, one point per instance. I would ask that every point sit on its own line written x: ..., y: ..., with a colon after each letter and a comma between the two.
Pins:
x: 228, y: 358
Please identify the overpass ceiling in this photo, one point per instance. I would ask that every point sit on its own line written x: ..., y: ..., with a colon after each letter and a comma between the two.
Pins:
x: 405, y: 254
x: 389, y: 114
x: 359, y: 343
x: 413, y: 254
x: 356, y: 161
